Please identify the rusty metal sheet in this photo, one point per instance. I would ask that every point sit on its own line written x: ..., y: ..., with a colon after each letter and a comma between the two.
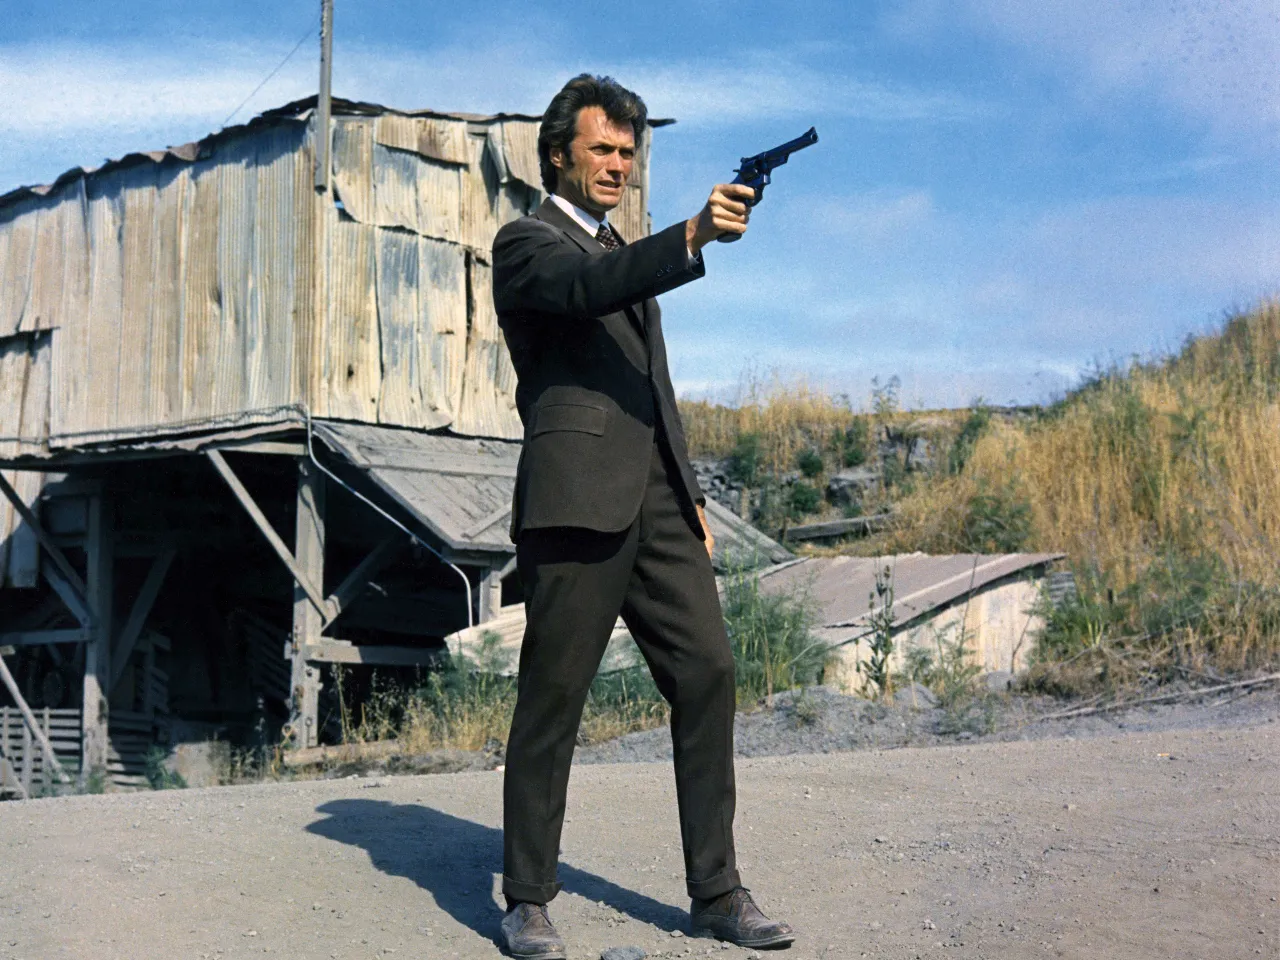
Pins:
x: 433, y: 137
x: 283, y: 204
x: 17, y: 253
x: 352, y: 351
x: 422, y: 313
x: 520, y: 151
x: 201, y: 314
x: 353, y: 167
x: 489, y: 382
x: 163, y: 384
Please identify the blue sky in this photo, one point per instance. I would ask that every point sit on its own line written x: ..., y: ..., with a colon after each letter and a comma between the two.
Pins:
x: 1006, y: 192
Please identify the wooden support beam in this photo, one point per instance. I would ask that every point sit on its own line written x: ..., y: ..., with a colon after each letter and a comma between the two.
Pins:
x: 50, y: 758
x: 358, y: 579
x: 308, y: 617
x: 277, y: 447
x: 138, y: 615
x: 36, y: 638
x: 334, y: 651
x: 95, y: 747
x: 308, y: 585
x: 8, y: 775
x: 75, y: 600
x: 490, y: 594
x: 55, y: 554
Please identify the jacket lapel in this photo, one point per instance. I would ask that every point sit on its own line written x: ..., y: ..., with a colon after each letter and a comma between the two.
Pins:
x: 550, y: 212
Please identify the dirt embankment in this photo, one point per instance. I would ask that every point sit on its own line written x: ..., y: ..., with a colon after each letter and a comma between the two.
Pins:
x: 1122, y: 844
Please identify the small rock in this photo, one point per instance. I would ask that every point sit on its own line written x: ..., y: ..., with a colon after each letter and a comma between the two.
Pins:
x: 624, y: 953
x: 998, y: 681
x: 677, y: 933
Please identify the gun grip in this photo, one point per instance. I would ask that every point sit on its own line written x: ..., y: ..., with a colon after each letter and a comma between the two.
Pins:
x: 728, y: 237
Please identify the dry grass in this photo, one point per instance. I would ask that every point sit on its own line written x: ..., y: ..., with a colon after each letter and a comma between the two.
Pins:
x: 1138, y: 477
x: 786, y: 417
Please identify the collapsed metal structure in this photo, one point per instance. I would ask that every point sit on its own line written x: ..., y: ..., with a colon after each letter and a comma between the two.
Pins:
x: 200, y: 350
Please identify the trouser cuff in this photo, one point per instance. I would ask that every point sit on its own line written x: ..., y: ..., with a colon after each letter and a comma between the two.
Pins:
x: 715, y: 886
x: 530, y: 892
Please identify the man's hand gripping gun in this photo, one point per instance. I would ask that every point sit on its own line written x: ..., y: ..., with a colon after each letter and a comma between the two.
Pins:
x: 755, y: 171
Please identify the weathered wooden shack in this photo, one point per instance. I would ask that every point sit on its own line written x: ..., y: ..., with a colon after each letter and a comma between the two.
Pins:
x: 250, y: 406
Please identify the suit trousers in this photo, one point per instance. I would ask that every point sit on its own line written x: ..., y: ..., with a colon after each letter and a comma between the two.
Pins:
x: 656, y: 573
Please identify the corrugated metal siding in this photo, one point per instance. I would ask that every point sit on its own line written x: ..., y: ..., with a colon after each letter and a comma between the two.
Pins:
x: 489, y: 381
x: 24, y: 429
x: 197, y: 278
x: 183, y: 283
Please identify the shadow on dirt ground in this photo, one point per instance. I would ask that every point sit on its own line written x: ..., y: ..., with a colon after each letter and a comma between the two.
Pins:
x: 455, y: 861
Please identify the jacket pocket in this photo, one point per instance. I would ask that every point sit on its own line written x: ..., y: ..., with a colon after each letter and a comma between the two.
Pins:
x: 575, y: 417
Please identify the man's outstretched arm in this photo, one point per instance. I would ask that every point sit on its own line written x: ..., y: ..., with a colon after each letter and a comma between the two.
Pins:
x: 535, y: 269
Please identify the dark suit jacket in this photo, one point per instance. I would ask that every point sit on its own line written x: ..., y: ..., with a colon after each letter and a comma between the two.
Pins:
x: 585, y: 336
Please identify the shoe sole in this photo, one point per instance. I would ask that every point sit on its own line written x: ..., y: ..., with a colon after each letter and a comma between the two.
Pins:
x: 544, y: 955
x: 764, y: 943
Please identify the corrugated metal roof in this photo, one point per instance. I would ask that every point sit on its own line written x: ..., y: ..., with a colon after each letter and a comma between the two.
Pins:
x: 841, y: 588
x: 299, y: 110
x: 461, y: 489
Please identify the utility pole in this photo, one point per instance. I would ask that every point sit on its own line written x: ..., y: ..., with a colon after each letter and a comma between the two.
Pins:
x: 323, y: 104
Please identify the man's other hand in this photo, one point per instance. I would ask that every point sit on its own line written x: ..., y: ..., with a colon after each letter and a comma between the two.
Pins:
x: 725, y: 212
x: 707, y: 538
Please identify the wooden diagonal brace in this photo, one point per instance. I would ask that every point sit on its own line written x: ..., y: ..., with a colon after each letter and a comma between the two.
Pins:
x: 283, y: 552
x: 138, y: 615
x: 55, y: 554
x: 358, y: 578
x: 67, y: 593
x: 50, y: 757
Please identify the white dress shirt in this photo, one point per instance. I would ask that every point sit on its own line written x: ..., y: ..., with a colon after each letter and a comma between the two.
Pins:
x: 590, y: 224
x: 584, y: 219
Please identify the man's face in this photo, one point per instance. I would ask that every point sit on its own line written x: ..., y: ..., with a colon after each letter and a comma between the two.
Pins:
x: 595, y: 173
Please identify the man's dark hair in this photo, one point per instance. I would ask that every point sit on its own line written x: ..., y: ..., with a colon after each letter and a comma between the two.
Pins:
x: 560, y: 122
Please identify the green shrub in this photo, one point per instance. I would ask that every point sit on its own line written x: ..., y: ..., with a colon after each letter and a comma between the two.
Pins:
x: 157, y: 774
x: 747, y: 459
x: 856, y: 442
x: 803, y: 499
x: 971, y: 431
x: 996, y: 520
x: 809, y: 462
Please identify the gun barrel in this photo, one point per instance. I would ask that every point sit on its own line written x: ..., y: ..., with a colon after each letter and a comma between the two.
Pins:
x: 806, y: 139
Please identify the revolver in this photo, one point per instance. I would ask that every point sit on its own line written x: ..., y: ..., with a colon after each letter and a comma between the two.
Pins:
x: 755, y: 171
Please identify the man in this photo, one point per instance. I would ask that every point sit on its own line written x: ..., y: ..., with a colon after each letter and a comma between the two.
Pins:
x: 608, y: 516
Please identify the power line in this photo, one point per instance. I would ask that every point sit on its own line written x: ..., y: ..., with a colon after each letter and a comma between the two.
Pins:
x: 311, y: 31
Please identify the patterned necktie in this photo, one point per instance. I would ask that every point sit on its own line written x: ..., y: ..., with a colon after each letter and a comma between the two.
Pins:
x: 607, y: 239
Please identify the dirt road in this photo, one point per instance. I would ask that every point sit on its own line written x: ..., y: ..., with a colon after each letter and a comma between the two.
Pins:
x: 1141, y: 845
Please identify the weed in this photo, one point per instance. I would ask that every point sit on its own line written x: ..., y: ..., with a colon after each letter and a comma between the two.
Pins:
x: 158, y: 775
x: 772, y: 638
x: 807, y: 709
x: 880, y: 639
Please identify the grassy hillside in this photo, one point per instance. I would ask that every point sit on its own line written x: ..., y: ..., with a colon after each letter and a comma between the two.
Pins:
x: 1160, y: 481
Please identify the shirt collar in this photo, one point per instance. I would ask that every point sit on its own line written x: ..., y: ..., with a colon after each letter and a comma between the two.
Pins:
x: 584, y: 219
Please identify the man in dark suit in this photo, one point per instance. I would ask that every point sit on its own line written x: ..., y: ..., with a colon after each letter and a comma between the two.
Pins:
x: 608, y: 515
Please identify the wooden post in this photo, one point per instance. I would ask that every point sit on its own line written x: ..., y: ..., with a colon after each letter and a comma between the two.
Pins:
x: 308, y: 550
x: 28, y: 759
x: 46, y: 774
x: 491, y: 593
x: 97, y: 661
x: 4, y: 749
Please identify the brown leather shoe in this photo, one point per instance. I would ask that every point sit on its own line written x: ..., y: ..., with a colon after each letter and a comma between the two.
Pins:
x: 530, y: 934
x: 735, y: 917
